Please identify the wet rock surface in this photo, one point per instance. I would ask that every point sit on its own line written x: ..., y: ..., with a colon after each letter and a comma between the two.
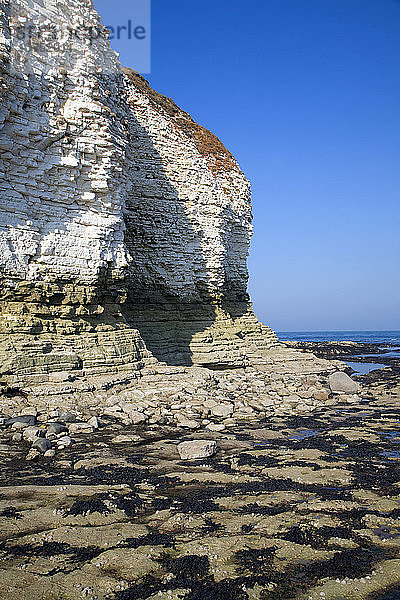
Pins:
x: 300, y: 506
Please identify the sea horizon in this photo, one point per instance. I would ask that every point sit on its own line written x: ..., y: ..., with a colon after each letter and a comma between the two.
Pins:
x: 371, y: 336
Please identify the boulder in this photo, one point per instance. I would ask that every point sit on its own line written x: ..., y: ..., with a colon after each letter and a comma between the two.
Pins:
x: 41, y: 444
x: 64, y: 441
x: 341, y: 383
x: 134, y: 415
x: 67, y: 416
x: 22, y: 420
x: 186, y: 422
x: 197, y: 449
x: 222, y: 410
x: 80, y: 428
x: 55, y: 428
x: 32, y: 432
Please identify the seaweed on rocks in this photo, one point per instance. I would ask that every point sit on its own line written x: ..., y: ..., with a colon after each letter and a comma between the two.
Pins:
x: 227, y: 589
x: 152, y: 539
x: 84, y: 507
x: 131, y: 504
x: 162, y: 503
x: 211, y: 527
x: 49, y: 549
x: 187, y: 569
x: 316, y: 537
x: 149, y: 586
x: 194, y: 505
x: 258, y: 509
x: 10, y: 512
x: 257, y: 460
x: 255, y: 560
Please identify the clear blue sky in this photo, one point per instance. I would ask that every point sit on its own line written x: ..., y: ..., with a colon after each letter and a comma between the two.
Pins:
x: 306, y: 94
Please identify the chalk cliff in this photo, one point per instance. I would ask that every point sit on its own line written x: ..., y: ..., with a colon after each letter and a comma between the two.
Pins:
x: 124, y: 225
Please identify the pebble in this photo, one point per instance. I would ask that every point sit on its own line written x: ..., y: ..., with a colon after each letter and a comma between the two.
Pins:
x: 94, y: 422
x: 188, y: 423
x: 222, y: 410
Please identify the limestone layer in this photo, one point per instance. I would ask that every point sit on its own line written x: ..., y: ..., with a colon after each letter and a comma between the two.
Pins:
x: 124, y: 225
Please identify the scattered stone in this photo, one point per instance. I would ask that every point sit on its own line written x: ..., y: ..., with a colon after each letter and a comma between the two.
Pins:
x: 32, y: 433
x: 32, y: 454
x: 321, y: 395
x: 125, y: 438
x: 64, y: 442
x: 341, y: 383
x: 216, y: 427
x: 29, y: 410
x: 197, y: 449
x: 94, y: 422
x: 17, y: 437
x: 41, y: 444
x: 55, y: 428
x: 188, y: 423
x: 50, y: 453
x: 67, y: 416
x: 112, y: 411
x: 222, y: 410
x: 21, y: 421
x: 134, y: 415
x: 80, y: 428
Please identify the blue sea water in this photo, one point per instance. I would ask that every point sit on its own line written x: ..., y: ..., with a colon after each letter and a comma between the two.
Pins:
x: 373, y: 337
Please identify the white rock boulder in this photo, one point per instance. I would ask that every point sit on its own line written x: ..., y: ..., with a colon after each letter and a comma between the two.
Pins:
x: 341, y: 383
x: 197, y: 449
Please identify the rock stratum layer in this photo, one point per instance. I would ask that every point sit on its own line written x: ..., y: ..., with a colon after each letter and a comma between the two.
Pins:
x: 124, y: 225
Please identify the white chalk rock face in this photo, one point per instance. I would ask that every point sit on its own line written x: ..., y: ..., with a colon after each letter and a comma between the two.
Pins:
x: 61, y: 210
x: 197, y: 449
x: 124, y: 225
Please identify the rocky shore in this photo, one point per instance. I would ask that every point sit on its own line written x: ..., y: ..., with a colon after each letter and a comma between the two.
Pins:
x: 157, y: 441
x: 386, y: 356
x: 220, y: 493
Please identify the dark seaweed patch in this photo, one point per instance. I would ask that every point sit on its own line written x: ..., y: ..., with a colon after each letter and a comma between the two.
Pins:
x: 49, y: 549
x: 265, y: 510
x: 256, y: 560
x: 130, y: 504
x: 257, y: 460
x: 193, y: 505
x: 152, y: 539
x: 162, y: 503
x: 211, y: 527
x: 84, y: 507
x: 140, y: 591
x: 316, y: 537
x: 188, y: 568
x: 10, y: 512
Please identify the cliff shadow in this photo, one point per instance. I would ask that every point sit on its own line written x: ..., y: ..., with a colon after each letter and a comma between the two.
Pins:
x: 172, y: 298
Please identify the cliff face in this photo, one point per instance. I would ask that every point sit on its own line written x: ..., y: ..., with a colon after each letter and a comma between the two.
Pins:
x: 124, y: 225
